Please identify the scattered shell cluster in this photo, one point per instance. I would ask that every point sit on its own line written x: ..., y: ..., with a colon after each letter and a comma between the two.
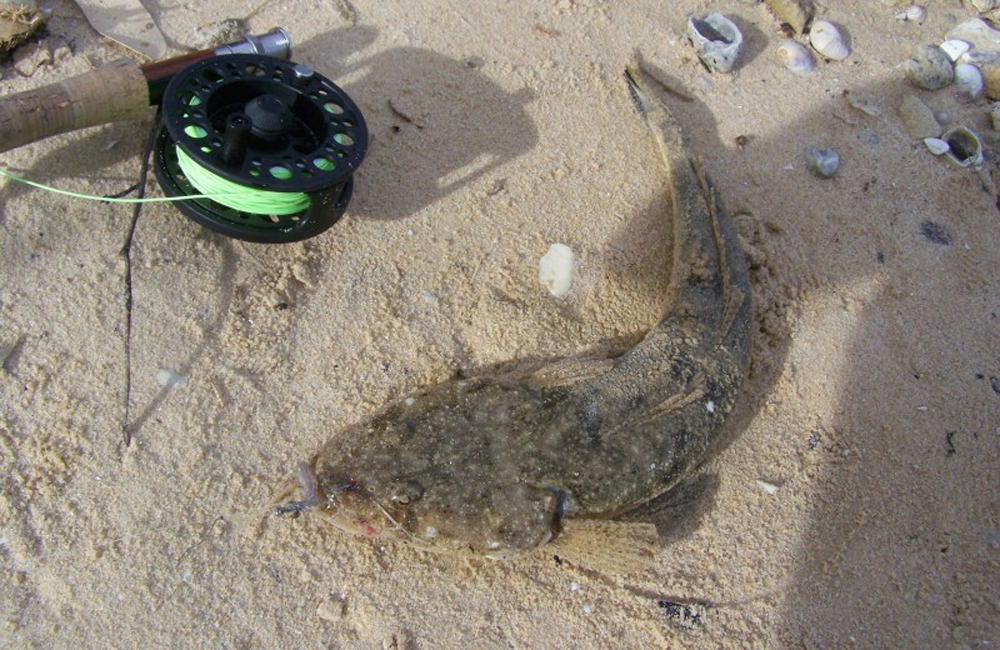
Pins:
x: 967, y: 61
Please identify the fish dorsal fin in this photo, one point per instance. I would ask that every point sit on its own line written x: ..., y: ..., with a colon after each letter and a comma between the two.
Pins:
x: 566, y: 372
x: 608, y: 547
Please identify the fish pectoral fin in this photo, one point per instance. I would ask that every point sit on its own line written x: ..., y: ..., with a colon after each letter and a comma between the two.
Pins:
x: 609, y: 547
x: 567, y: 372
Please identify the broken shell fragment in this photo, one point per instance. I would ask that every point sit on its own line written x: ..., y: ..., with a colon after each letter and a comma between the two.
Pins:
x: 824, y: 163
x: 717, y: 40
x: 826, y: 39
x: 929, y: 68
x: 995, y: 116
x: 797, y: 13
x: 555, y: 269
x: 796, y: 57
x: 918, y: 118
x: 955, y: 48
x: 937, y: 146
x: 964, y: 147
x: 913, y: 14
x: 968, y: 81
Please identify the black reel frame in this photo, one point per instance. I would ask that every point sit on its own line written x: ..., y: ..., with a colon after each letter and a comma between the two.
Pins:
x: 263, y: 123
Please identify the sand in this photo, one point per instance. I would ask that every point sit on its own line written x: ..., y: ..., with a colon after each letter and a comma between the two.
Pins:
x: 855, y: 500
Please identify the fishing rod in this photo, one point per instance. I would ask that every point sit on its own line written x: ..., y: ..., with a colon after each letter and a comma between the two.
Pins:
x: 252, y: 145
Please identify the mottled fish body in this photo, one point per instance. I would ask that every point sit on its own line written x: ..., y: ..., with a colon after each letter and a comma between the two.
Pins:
x: 497, y: 465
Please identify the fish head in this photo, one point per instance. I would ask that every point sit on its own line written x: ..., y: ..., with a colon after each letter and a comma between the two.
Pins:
x: 439, y: 470
x: 448, y: 511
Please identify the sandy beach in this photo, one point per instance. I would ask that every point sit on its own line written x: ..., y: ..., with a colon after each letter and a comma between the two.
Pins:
x: 855, y: 500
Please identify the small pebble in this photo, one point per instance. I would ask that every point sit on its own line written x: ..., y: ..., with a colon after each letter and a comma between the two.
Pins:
x: 170, y: 379
x: 770, y: 488
x: 588, y: 609
x: 918, y: 118
x: 913, y: 14
x: 929, y: 68
x: 574, y: 586
x: 823, y: 163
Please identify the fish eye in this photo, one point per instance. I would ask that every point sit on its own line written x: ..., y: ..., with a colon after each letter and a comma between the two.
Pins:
x: 407, y: 492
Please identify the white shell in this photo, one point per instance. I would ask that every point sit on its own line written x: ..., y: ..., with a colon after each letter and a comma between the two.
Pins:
x: 937, y: 146
x: 968, y: 81
x: 964, y: 147
x: 913, y: 14
x: 796, y: 57
x: 555, y: 269
x: 955, y: 48
x: 826, y: 39
x: 717, y: 40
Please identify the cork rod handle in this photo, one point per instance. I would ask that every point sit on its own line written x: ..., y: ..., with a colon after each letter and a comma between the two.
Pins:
x: 112, y: 93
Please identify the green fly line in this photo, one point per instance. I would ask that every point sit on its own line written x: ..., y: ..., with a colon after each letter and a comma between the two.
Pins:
x: 211, y: 185
x: 240, y: 197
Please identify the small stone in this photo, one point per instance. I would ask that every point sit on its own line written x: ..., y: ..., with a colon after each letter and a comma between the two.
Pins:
x: 929, y: 68
x: 991, y: 79
x: 170, y: 379
x: 823, y: 163
x: 918, y: 118
x: 797, y: 13
x: 770, y: 488
x: 978, y: 33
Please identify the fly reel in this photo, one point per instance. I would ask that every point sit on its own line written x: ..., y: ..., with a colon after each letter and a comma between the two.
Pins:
x: 268, y: 146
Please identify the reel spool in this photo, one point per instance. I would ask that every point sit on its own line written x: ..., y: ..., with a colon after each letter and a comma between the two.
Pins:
x: 275, y: 144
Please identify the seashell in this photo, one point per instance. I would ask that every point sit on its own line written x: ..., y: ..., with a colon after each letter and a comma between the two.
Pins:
x: 968, y: 81
x: 555, y: 269
x: 796, y: 57
x: 918, y: 118
x: 995, y: 116
x: 955, y: 48
x: 937, y: 146
x: 977, y: 33
x: 913, y: 14
x: 929, y: 68
x: 982, y: 6
x: 797, y: 13
x: 717, y: 40
x: 826, y: 39
x: 964, y: 147
x: 824, y: 163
